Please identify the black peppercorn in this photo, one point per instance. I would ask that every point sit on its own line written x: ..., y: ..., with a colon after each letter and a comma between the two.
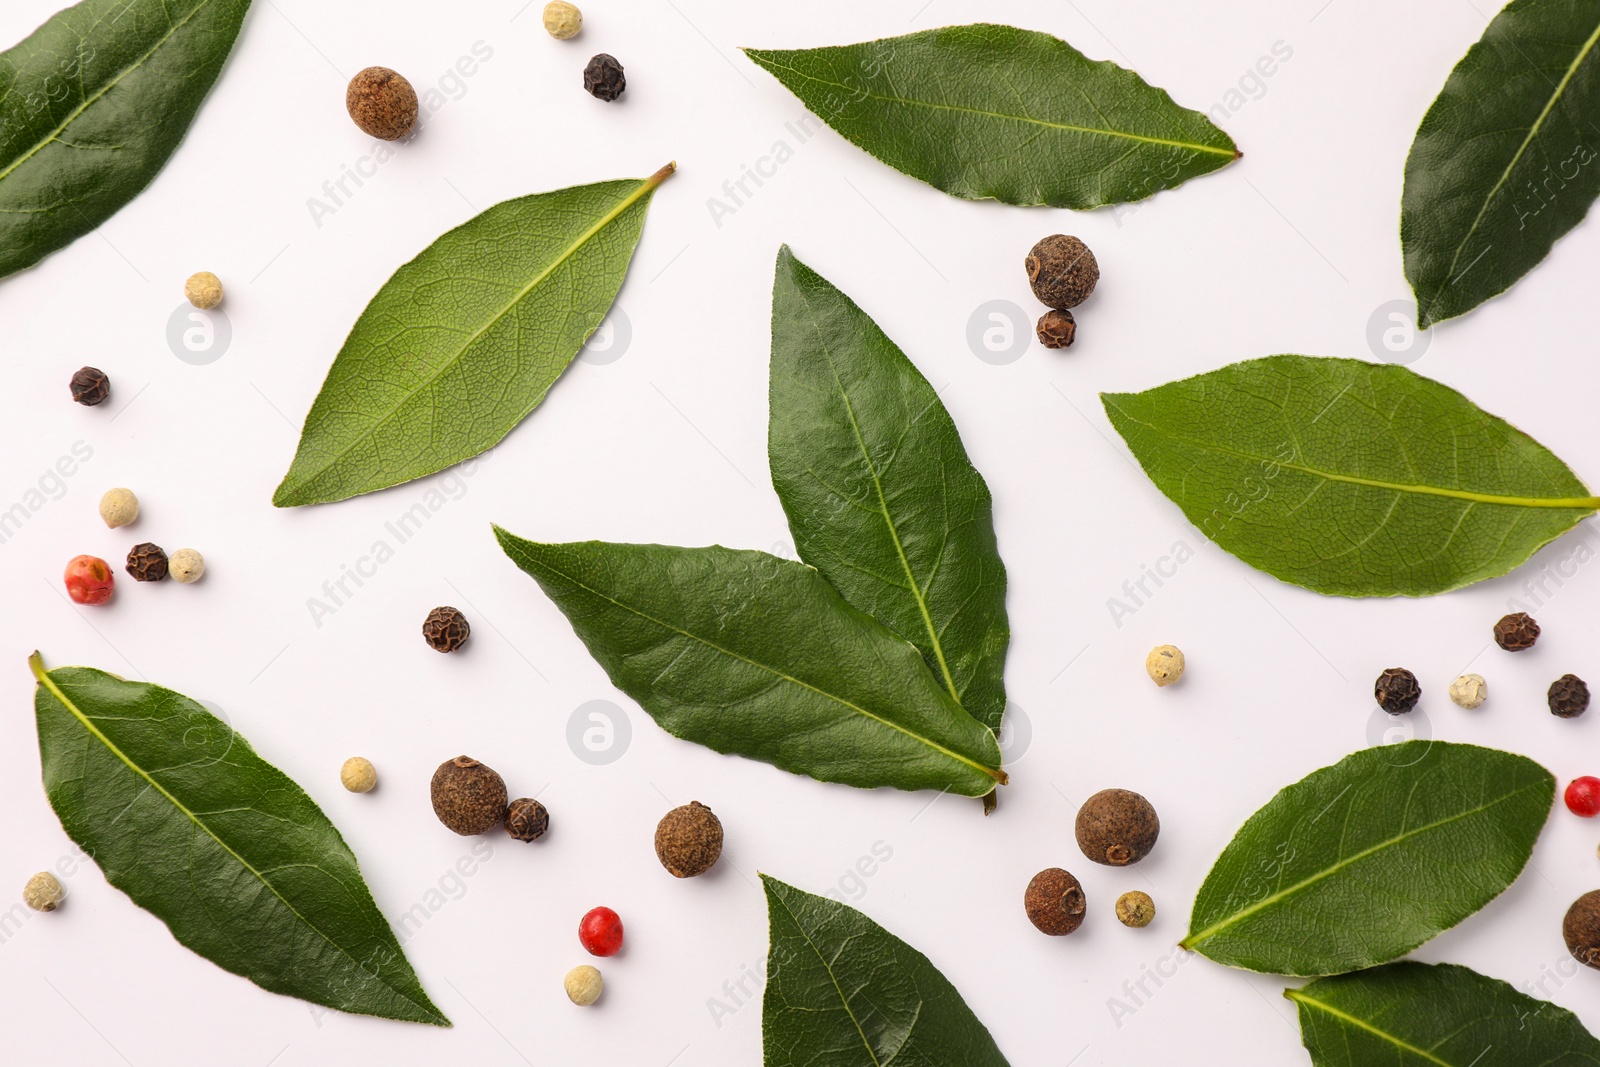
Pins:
x: 1569, y: 696
x: 603, y: 78
x: 1117, y: 827
x: 527, y: 819
x: 147, y: 562
x: 1056, y: 329
x: 445, y: 629
x: 468, y: 797
x: 1054, y: 902
x: 1516, y: 632
x: 1062, y: 271
x: 90, y: 386
x: 1581, y: 929
x: 1397, y: 691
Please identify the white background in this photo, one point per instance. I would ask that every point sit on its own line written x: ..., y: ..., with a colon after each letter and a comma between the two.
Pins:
x: 1290, y: 250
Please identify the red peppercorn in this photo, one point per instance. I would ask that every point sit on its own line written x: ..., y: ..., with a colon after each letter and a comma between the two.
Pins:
x: 1583, y: 796
x: 89, y: 580
x: 600, y: 932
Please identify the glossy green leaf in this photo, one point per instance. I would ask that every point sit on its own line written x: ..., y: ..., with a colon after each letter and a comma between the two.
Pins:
x: 92, y: 105
x: 757, y: 656
x: 844, y: 992
x: 880, y: 495
x: 994, y: 112
x: 243, y: 867
x: 465, y: 340
x: 1352, y: 478
x: 1416, y: 1015
x: 1359, y: 863
x: 1504, y: 162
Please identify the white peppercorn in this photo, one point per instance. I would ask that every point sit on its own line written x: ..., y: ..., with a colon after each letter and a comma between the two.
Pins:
x: 358, y: 775
x: 203, y: 290
x: 1469, y: 690
x: 119, y: 507
x: 43, y: 892
x: 584, y: 985
x: 186, y: 566
x: 562, y: 20
x: 1164, y: 665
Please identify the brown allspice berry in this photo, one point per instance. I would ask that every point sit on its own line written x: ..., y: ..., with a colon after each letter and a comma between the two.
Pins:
x: 1397, y: 691
x: 1062, y: 271
x: 382, y: 103
x: 1117, y: 827
x: 1568, y: 696
x: 1581, y: 929
x: 1056, y: 329
x: 147, y: 562
x: 468, y: 797
x: 689, y: 840
x: 603, y: 78
x: 1516, y: 632
x: 527, y: 819
x: 446, y: 629
x: 90, y: 386
x: 1054, y: 902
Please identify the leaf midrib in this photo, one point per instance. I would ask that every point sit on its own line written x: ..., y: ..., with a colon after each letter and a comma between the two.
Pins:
x: 1505, y: 175
x: 1327, y: 872
x: 646, y: 187
x: 1588, y: 503
x: 826, y: 966
x: 998, y: 775
x: 766, y: 60
x: 49, y: 683
x: 113, y: 83
x: 1299, y: 996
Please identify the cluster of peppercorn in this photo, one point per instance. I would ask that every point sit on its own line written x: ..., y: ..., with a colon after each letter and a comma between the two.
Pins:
x: 1063, y: 272
x: 1115, y: 827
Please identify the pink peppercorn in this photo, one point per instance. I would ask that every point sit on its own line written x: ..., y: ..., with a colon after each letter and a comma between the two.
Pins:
x: 89, y: 580
x: 600, y: 932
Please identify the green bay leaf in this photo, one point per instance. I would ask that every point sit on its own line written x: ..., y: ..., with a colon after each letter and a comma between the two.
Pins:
x: 757, y: 656
x: 92, y: 105
x: 1416, y: 1015
x: 464, y: 341
x: 996, y: 112
x: 1504, y: 163
x: 1359, y: 863
x: 844, y: 992
x: 879, y: 492
x: 1351, y: 478
x: 184, y: 817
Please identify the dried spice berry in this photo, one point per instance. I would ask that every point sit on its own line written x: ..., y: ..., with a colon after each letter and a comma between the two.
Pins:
x: 147, y: 562
x: 1135, y: 909
x: 1056, y: 329
x: 1583, y: 797
x: 1062, y: 271
x: 1469, y: 690
x: 689, y: 840
x: 203, y: 289
x: 1117, y: 827
x: 583, y: 985
x: 445, y: 629
x: 603, y: 78
x: 186, y: 566
x: 382, y: 103
x: 1516, y: 632
x: 1164, y: 665
x: 1397, y: 691
x: 1581, y: 929
x: 1568, y: 696
x: 90, y: 386
x: 43, y: 892
x: 562, y: 20
x: 527, y: 819
x: 119, y: 507
x: 468, y: 797
x: 600, y: 932
x: 89, y: 580
x: 358, y: 775
x: 1054, y: 902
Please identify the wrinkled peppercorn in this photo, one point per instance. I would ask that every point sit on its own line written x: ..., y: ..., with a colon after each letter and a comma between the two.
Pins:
x: 1056, y: 329
x: 1062, y: 271
x: 1054, y: 902
x: 1117, y: 827
x: 603, y: 78
x: 90, y: 386
x: 468, y: 797
x: 445, y: 629
x: 1397, y: 690
x: 1569, y: 696
x: 147, y: 562
x: 527, y: 819
x: 1516, y: 632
